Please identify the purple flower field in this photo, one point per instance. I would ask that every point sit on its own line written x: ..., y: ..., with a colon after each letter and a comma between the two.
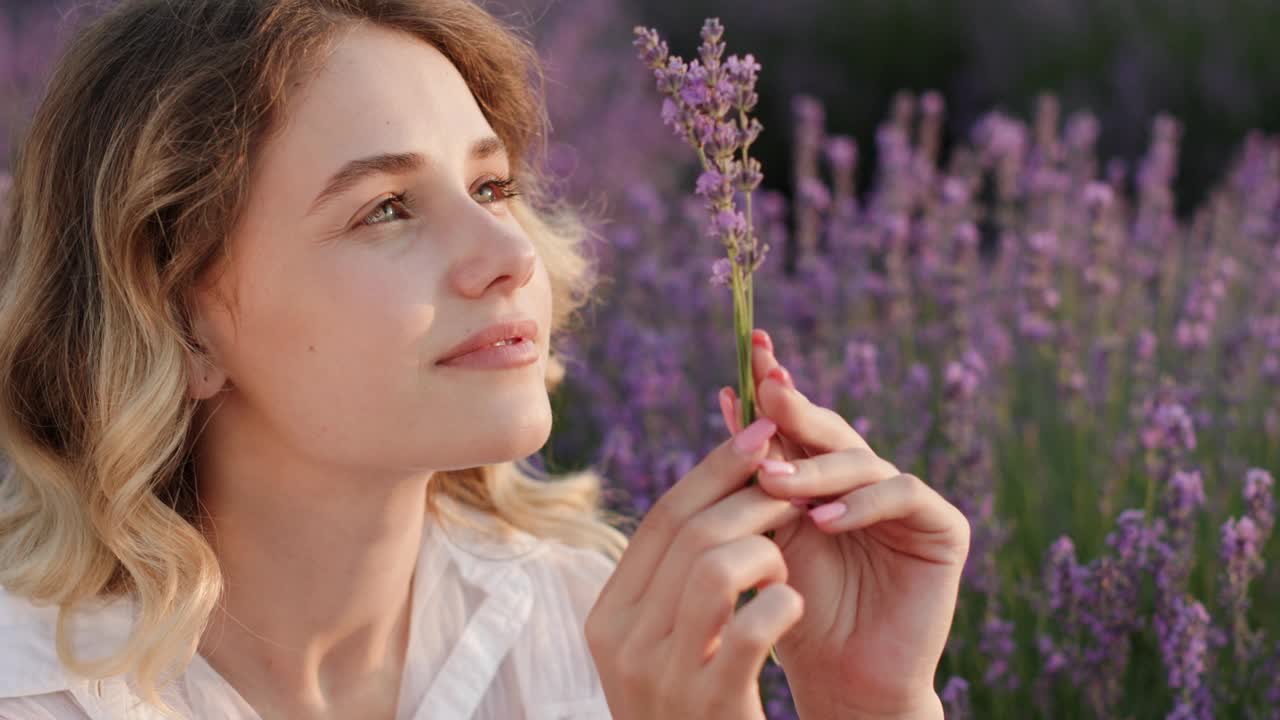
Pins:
x: 1029, y: 326
x: 1092, y: 378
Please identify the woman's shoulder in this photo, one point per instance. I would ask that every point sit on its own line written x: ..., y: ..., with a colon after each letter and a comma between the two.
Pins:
x: 583, y: 571
x: 28, y: 653
x: 33, y: 682
x: 549, y: 561
x: 525, y: 631
x: 561, y: 582
x: 550, y: 584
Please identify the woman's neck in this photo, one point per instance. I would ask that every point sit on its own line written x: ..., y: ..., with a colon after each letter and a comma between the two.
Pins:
x: 318, y: 568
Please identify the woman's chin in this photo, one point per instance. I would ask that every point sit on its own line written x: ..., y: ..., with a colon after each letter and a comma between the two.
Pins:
x: 503, y: 434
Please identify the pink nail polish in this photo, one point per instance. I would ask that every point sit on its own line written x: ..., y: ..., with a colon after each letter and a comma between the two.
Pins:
x: 754, y: 436
x: 761, y: 338
x: 778, y: 467
x: 828, y: 512
x: 778, y: 373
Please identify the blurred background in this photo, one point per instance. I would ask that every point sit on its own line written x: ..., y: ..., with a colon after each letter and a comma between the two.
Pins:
x: 1030, y: 249
x: 1211, y: 64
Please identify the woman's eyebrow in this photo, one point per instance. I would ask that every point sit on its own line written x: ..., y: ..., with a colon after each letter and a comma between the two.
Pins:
x: 404, y: 163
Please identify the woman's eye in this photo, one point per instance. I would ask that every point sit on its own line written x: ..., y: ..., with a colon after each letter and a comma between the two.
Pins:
x: 376, y: 217
x: 506, y: 185
x: 506, y: 190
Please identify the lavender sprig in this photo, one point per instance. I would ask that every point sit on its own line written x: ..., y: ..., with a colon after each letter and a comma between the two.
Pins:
x: 1183, y: 634
x: 706, y: 104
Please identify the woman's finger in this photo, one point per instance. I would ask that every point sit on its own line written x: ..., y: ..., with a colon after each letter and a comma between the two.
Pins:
x: 905, y: 499
x: 818, y: 428
x: 808, y: 425
x: 749, y: 511
x: 711, y: 591
x: 754, y: 629
x: 780, y: 447
x: 808, y: 428
x: 763, y: 358
x: 729, y: 410
x: 829, y: 474
x: 724, y: 470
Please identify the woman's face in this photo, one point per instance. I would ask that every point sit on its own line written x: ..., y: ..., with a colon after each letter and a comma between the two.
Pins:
x: 343, y: 306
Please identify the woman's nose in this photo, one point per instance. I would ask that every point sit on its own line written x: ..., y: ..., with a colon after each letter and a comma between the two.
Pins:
x: 501, y: 255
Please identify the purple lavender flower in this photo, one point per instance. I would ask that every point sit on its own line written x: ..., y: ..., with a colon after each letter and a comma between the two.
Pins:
x: 721, y: 271
x: 810, y: 117
x: 1195, y: 328
x: 1240, y: 550
x: 1171, y: 427
x: 997, y: 646
x: 841, y: 152
x: 814, y: 193
x: 863, y: 377
x: 1098, y: 196
x: 1167, y: 432
x: 1185, y: 496
x: 1082, y: 131
x: 1241, y: 555
x: 1055, y: 661
x: 1183, y: 633
x: 699, y: 97
x: 962, y: 377
x: 727, y: 223
x: 956, y: 191
x: 1062, y: 576
x: 714, y: 186
x: 1133, y: 540
x: 955, y: 698
x: 1146, y: 344
x: 1040, y: 298
x: 1260, y: 499
x: 779, y: 704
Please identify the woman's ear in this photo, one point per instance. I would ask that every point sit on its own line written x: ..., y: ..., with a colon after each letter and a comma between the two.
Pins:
x: 204, y: 378
x: 205, y: 375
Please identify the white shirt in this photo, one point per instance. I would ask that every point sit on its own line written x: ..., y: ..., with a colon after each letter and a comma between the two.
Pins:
x: 496, y: 634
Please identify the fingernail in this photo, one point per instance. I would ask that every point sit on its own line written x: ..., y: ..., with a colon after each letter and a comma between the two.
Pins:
x: 828, y: 512
x: 778, y: 373
x: 754, y: 436
x: 778, y: 467
x: 761, y: 338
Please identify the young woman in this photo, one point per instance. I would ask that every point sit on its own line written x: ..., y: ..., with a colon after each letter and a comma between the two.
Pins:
x: 279, y: 293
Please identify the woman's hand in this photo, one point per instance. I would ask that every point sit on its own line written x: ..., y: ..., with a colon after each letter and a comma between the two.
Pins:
x: 663, y: 632
x: 879, y: 566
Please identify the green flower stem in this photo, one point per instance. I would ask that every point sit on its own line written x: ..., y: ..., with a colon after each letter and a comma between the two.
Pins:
x: 743, y: 324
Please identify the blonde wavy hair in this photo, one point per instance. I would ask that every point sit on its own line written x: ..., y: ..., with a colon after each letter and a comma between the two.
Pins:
x: 135, y: 162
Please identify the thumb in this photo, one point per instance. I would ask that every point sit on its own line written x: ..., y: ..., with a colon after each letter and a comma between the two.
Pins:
x: 780, y: 448
x: 729, y: 410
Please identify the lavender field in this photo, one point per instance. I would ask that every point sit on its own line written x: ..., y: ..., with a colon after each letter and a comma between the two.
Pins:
x: 1035, y: 327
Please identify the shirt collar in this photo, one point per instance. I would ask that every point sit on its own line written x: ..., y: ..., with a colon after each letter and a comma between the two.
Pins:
x: 29, y: 662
